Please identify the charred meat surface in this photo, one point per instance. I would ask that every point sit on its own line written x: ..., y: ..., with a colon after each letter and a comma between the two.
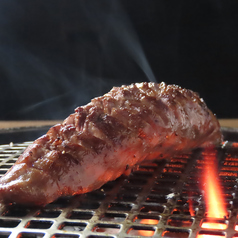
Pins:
x: 105, y: 138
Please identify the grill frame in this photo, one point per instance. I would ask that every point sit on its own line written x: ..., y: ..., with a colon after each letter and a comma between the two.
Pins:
x: 153, y: 192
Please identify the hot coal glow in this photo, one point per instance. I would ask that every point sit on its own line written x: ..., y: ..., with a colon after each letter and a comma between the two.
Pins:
x: 214, y: 224
x: 144, y: 232
x: 211, y: 235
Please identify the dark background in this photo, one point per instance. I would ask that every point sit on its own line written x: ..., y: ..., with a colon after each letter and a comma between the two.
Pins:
x: 56, y: 55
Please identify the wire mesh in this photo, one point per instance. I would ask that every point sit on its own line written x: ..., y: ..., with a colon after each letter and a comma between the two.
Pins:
x: 160, y: 199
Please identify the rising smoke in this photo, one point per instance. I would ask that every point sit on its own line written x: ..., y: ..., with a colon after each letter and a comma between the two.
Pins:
x: 55, y: 56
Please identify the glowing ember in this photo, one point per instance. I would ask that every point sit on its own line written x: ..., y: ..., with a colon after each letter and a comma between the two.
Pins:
x: 213, y: 194
x: 235, y: 144
x: 210, y: 236
x: 141, y: 231
x: 213, y: 224
x: 147, y: 233
x: 147, y: 222
x: 236, y: 228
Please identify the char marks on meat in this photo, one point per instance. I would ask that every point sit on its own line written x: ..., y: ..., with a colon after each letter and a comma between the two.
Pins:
x: 105, y: 138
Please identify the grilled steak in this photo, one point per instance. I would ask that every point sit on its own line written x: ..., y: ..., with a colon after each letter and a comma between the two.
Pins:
x: 107, y: 137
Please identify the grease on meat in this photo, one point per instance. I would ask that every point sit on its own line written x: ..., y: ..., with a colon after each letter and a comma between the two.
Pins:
x: 103, y: 139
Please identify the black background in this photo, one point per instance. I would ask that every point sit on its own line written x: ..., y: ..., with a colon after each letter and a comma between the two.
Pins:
x: 56, y: 55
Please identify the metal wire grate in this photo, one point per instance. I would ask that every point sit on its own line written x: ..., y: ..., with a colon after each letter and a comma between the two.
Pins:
x: 154, y: 201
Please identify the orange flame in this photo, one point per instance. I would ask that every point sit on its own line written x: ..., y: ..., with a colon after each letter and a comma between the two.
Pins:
x: 213, y: 194
x: 190, y: 204
x: 214, y: 199
x: 216, y: 209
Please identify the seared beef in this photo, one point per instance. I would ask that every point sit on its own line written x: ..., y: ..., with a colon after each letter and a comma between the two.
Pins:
x: 107, y: 137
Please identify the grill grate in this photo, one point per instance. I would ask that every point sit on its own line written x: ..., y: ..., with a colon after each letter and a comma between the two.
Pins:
x: 154, y: 201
